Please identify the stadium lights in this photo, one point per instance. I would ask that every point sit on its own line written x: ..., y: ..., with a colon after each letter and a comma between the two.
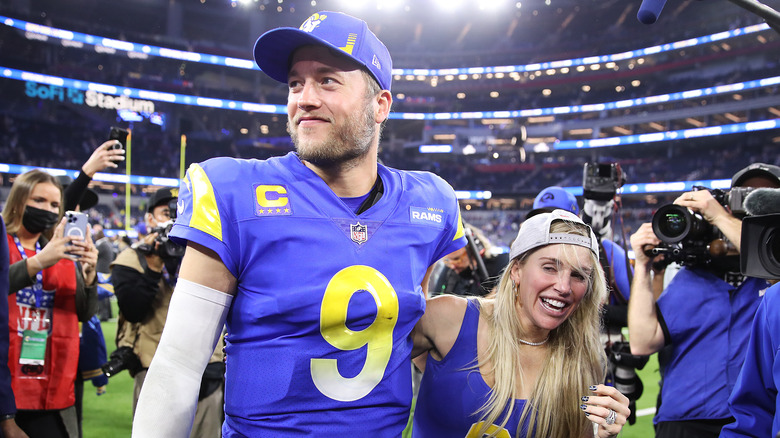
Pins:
x: 389, y: 5
x: 449, y: 6
x: 490, y: 5
x: 435, y: 148
x: 127, y: 96
x: 111, y: 46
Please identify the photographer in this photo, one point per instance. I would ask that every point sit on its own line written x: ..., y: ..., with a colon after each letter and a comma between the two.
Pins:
x: 470, y: 271
x: 600, y: 184
x: 704, y: 314
x: 754, y: 401
x: 144, y: 277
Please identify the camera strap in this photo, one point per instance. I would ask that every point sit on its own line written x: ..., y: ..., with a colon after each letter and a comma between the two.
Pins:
x: 609, y: 271
x: 142, y: 259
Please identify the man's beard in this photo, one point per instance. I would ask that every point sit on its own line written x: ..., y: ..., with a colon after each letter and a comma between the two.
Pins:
x: 346, y: 143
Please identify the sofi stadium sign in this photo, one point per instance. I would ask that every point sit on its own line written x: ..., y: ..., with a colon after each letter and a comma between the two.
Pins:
x: 90, y: 98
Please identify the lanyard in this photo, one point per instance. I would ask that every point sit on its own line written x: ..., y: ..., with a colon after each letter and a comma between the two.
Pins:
x: 36, y: 298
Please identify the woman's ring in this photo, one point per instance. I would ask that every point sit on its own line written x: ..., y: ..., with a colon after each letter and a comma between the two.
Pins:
x: 690, y: 198
x: 610, y: 420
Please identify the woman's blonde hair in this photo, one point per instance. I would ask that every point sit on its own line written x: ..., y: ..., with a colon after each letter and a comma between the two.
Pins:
x: 575, y: 359
x: 23, y: 185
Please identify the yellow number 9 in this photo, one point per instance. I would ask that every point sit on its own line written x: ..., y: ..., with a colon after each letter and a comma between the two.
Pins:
x: 378, y: 336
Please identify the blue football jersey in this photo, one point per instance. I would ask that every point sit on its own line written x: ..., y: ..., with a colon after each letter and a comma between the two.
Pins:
x: 319, y: 328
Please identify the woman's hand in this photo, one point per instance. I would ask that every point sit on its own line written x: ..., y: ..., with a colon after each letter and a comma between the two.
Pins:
x: 607, y: 408
x: 85, y: 252
x: 103, y: 157
x: 56, y: 249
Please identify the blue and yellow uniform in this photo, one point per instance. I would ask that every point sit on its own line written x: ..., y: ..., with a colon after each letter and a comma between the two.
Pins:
x: 707, y: 323
x: 453, y: 390
x: 754, y: 403
x: 326, y: 299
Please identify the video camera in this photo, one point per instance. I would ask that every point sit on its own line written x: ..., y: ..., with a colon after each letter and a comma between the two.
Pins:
x: 760, y: 241
x: 760, y: 248
x: 600, y: 181
x: 687, y: 237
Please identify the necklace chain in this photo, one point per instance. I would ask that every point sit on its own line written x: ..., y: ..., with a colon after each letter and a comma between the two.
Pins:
x: 534, y: 344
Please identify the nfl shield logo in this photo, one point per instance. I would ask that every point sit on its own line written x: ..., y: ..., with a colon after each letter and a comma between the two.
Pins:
x: 358, y: 233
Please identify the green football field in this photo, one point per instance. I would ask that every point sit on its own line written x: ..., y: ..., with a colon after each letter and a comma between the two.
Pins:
x: 110, y: 415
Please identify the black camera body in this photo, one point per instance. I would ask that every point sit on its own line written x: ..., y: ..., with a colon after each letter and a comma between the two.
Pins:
x: 760, y: 247
x: 600, y: 181
x: 123, y: 358
x: 733, y: 199
x: 163, y: 246
x: 687, y: 237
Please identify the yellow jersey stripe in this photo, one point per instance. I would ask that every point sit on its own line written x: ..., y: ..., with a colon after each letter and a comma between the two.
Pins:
x: 460, y: 232
x: 205, y: 213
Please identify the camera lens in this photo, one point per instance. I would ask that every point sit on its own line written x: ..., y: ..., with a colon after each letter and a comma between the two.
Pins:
x: 673, y: 224
x: 773, y: 247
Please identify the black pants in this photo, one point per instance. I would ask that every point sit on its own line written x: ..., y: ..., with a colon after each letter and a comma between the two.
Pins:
x: 42, y: 424
x: 691, y: 429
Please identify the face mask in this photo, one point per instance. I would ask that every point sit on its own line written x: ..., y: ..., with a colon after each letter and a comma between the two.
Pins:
x: 37, y: 221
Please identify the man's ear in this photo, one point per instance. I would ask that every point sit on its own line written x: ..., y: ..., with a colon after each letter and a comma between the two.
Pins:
x: 384, y: 102
x: 149, y: 219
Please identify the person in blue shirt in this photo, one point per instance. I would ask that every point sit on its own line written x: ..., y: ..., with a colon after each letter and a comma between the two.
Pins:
x: 703, y: 316
x: 753, y: 402
x: 315, y: 260
x: 528, y: 361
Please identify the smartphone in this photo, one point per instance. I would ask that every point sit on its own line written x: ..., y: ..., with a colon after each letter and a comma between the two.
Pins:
x: 118, y: 134
x: 76, y: 224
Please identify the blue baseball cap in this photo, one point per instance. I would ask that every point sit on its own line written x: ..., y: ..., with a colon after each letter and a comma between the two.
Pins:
x: 554, y: 197
x: 336, y: 30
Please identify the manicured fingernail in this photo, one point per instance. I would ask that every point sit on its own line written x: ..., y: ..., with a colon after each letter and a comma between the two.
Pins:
x: 583, y: 407
x: 592, y: 387
x: 585, y: 398
x: 587, y: 414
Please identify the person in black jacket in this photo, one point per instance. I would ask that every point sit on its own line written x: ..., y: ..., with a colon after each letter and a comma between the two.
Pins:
x: 470, y: 271
x: 75, y: 192
x: 143, y: 277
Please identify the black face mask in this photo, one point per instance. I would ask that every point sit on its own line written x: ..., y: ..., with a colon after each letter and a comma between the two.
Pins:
x: 37, y: 221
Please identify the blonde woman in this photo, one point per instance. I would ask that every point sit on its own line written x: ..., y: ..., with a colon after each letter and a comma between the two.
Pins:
x: 526, y: 362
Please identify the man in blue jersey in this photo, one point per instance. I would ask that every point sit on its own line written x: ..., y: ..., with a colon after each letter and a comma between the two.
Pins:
x: 754, y: 401
x: 703, y: 316
x: 315, y: 260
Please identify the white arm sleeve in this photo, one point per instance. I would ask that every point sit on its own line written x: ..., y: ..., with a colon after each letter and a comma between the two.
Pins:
x: 169, y: 397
